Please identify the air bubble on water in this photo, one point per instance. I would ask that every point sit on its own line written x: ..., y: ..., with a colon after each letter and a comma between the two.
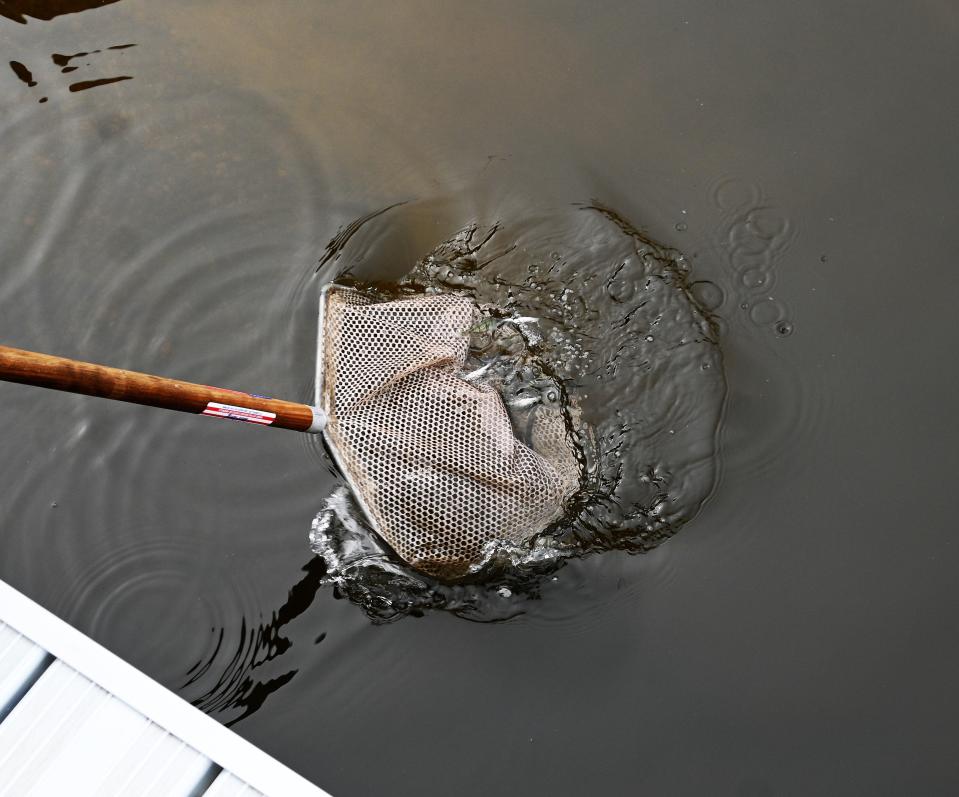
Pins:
x: 709, y: 295
x: 784, y: 329
x: 767, y: 223
x: 744, y: 258
x: 766, y: 312
x: 682, y: 226
x: 823, y: 258
x: 753, y: 278
x: 732, y: 193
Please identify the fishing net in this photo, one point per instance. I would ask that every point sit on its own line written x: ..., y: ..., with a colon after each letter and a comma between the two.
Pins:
x: 430, y: 451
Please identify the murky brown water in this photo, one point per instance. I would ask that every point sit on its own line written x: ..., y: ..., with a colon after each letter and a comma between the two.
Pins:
x: 172, y: 174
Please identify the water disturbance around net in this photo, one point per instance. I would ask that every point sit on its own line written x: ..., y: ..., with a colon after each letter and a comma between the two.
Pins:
x: 586, y: 329
x: 428, y: 448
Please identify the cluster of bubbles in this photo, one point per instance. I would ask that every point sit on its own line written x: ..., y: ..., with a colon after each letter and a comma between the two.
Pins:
x: 755, y: 235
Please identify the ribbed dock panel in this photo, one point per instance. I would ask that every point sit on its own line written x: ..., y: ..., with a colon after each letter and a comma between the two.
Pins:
x: 75, y: 719
x: 21, y: 662
x: 229, y: 785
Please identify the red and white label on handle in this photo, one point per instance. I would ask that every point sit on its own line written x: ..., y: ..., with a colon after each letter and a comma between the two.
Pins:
x: 235, y: 413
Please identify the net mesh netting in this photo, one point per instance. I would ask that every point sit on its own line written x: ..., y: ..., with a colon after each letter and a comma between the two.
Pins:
x: 432, y: 455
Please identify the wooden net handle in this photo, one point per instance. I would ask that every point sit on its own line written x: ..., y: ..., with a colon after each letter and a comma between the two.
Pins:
x: 73, y: 376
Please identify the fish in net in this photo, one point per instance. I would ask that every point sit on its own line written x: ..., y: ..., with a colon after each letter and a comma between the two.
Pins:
x: 429, y: 450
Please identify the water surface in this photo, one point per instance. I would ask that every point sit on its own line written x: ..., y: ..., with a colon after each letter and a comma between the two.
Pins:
x: 794, y: 636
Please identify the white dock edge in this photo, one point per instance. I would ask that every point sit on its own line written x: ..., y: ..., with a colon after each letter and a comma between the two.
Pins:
x: 76, y: 719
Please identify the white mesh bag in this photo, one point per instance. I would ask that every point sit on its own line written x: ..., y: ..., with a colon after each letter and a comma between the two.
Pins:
x: 430, y: 455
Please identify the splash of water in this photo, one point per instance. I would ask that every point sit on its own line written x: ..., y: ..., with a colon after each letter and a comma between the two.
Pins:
x: 603, y: 325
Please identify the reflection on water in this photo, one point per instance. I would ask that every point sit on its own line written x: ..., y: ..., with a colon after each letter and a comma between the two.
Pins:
x: 616, y: 315
x: 227, y: 678
x: 21, y: 10
x: 63, y: 62
x: 83, y: 85
x: 23, y: 73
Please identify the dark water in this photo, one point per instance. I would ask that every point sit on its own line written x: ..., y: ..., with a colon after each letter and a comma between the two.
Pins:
x: 796, y: 636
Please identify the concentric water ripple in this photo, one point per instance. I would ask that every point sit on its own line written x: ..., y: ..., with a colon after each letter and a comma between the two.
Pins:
x: 173, y: 238
x: 227, y: 679
x: 141, y: 594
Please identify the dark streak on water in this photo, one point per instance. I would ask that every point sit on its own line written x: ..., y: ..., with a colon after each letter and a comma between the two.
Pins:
x: 83, y: 85
x: 23, y: 73
x: 64, y: 60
